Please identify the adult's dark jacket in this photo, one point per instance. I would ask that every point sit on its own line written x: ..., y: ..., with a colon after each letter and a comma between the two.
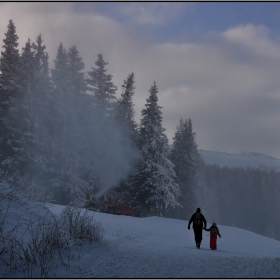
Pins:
x: 198, y: 220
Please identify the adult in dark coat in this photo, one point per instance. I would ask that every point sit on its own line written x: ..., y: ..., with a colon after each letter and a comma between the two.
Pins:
x: 199, y: 222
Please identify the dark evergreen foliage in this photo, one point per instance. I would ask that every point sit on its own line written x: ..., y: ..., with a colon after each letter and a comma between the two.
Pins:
x: 125, y: 111
x: 10, y: 93
x: 245, y: 198
x: 103, y: 88
x: 154, y: 188
x: 187, y: 162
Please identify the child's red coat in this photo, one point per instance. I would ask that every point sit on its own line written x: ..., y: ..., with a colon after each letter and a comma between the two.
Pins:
x: 213, y: 237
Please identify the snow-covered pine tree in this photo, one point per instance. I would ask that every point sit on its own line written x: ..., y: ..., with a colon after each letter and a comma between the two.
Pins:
x: 76, y: 67
x: 125, y: 111
x: 72, y: 138
x: 10, y: 92
x: 61, y: 73
x: 23, y: 120
x: 125, y: 119
x: 81, y: 135
x: 42, y: 92
x: 29, y: 119
x: 186, y: 158
x: 61, y: 126
x: 38, y: 106
x: 29, y: 66
x: 154, y: 187
x: 42, y: 66
x: 103, y: 88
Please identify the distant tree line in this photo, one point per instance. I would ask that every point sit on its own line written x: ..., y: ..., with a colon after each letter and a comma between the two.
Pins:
x: 247, y: 198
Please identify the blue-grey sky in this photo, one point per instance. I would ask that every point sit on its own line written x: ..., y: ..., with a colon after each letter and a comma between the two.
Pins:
x: 216, y: 63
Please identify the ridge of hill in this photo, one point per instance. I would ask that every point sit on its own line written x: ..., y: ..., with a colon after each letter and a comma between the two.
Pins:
x: 242, y: 159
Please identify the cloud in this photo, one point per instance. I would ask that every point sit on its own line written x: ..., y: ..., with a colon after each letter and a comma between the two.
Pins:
x: 230, y: 91
x: 156, y: 13
x: 255, y: 38
x: 227, y: 83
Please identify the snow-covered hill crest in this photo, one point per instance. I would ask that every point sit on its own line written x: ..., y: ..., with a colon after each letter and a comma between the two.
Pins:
x: 242, y: 159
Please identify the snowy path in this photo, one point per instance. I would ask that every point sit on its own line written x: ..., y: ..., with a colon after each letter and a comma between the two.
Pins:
x: 163, y: 248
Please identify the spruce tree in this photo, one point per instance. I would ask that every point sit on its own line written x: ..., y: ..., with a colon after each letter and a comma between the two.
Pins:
x: 42, y: 67
x: 10, y: 66
x: 126, y: 122
x: 42, y: 87
x: 29, y: 66
x: 76, y: 67
x: 24, y: 116
x: 61, y: 73
x: 72, y: 121
x: 103, y: 88
x: 41, y: 113
x: 84, y: 181
x: 30, y: 116
x: 185, y: 156
x: 154, y: 187
x: 60, y: 125
x: 125, y: 113
x: 10, y: 92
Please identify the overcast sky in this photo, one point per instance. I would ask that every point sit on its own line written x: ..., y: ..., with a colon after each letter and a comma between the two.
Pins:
x: 216, y: 63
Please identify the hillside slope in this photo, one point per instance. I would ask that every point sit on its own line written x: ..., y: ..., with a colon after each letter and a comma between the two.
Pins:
x: 156, y: 247
x: 152, y: 247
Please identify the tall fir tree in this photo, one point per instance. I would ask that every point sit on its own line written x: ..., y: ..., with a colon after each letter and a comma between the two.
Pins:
x: 29, y: 118
x: 82, y: 126
x: 10, y: 69
x: 61, y: 73
x: 10, y: 92
x: 154, y: 187
x: 103, y: 88
x: 74, y: 175
x: 125, y: 120
x: 186, y: 158
x: 24, y: 118
x: 76, y: 67
x: 42, y: 67
x: 60, y: 125
x: 29, y: 66
x: 42, y: 85
x: 125, y: 113
x: 40, y: 106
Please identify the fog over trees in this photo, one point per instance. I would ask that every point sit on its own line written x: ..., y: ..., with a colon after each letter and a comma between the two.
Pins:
x: 64, y: 135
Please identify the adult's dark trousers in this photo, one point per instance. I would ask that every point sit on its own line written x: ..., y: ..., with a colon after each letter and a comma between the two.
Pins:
x: 197, y: 234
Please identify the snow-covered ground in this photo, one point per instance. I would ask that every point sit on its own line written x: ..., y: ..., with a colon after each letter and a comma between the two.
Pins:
x: 242, y: 159
x: 156, y: 247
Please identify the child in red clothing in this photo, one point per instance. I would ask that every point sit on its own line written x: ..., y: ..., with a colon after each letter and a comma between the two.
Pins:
x: 214, y: 231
